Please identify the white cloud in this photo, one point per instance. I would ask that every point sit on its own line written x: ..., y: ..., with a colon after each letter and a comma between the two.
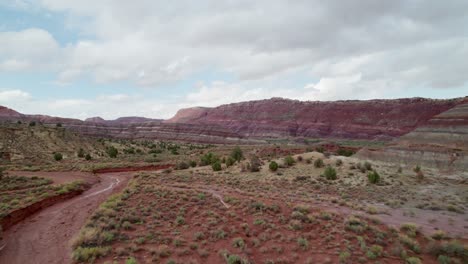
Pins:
x: 8, y: 96
x: 28, y: 49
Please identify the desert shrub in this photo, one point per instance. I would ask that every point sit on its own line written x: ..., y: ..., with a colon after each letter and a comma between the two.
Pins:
x: 131, y: 260
x: 209, y: 159
x: 300, y: 158
x: 318, y: 163
x: 32, y: 123
x: 344, y: 256
x: 273, y: 166
x: 193, y: 163
x: 58, y: 156
x: 410, y: 243
x: 417, y: 169
x: 345, y: 152
x: 452, y: 248
x: 289, y: 160
x: 355, y: 224
x: 443, y: 259
x: 216, y: 166
x: 237, y: 154
x: 238, y: 242
x: 376, y: 250
x: 330, y: 173
x: 182, y: 165
x: 373, y: 177
x: 112, y: 152
x: 320, y: 149
x: 439, y: 235
x: 413, y: 260
x: 88, y: 157
x: 255, y: 164
x: 410, y: 229
x: 58, y: 125
x: 230, y: 161
x: 338, y: 162
x: 81, y: 153
x: 88, y: 254
x: 2, y: 173
x: 367, y: 165
x: 303, y: 243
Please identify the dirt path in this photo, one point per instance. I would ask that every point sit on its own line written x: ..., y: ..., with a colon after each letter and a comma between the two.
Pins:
x: 45, y: 236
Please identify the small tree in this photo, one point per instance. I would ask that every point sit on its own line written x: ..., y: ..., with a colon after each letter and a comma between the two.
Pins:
x: 216, y: 166
x: 81, y: 153
x: 318, y: 163
x: 88, y: 157
x: 330, y: 173
x: 373, y: 177
x: 273, y: 166
x: 112, y: 152
x: 289, y: 161
x: 237, y: 154
x: 58, y: 156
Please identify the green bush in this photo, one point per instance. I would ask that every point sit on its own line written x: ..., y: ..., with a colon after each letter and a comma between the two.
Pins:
x: 273, y: 166
x: 81, y: 153
x: 318, y: 163
x: 216, y: 166
x: 131, y: 260
x: 112, y: 152
x: 345, y: 152
x: 373, y: 177
x: 193, y: 163
x: 330, y: 173
x: 289, y: 161
x: 58, y: 156
x: 237, y: 154
x: 208, y: 159
x: 88, y: 157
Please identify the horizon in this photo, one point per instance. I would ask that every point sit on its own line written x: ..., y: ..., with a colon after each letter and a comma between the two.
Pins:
x: 212, y: 107
x: 149, y: 59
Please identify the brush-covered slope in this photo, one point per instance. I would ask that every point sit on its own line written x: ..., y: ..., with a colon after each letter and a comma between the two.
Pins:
x: 276, y: 117
x: 38, y: 143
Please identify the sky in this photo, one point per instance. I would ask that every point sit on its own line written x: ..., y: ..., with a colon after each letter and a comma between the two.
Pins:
x: 113, y: 58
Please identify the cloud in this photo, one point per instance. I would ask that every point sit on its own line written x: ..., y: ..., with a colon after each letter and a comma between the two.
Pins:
x: 152, y: 42
x: 13, y: 96
x: 307, y: 50
x: 31, y: 48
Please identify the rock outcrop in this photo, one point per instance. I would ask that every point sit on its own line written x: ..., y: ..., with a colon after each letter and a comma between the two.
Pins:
x: 283, y: 118
x: 255, y: 121
x: 441, y: 142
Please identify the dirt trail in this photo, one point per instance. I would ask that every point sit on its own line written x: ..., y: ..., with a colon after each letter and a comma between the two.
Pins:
x: 45, y: 236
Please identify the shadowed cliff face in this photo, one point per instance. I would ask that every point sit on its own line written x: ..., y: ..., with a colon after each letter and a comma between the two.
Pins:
x: 251, y: 122
x: 373, y: 119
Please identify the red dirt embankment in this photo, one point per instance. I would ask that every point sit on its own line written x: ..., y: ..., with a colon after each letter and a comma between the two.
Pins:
x: 23, y: 213
x: 130, y: 169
